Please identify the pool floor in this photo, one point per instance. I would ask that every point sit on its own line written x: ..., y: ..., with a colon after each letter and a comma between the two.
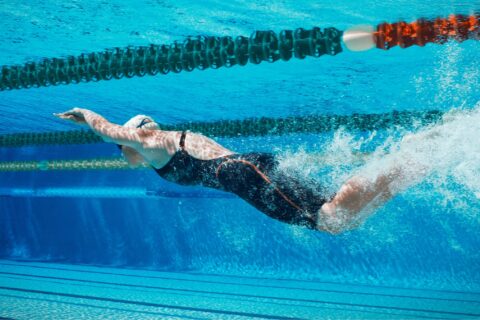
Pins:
x: 34, y: 290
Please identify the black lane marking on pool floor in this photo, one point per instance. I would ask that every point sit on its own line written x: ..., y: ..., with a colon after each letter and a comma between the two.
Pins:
x: 221, y: 276
x: 229, y: 276
x: 412, y: 316
x: 351, y: 309
x: 149, y: 304
x: 335, y: 283
x: 272, y: 286
x: 219, y: 292
x: 86, y: 305
x: 178, y: 293
x: 445, y: 312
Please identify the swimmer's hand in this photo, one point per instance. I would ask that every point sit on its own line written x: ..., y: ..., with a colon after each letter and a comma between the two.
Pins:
x: 75, y: 115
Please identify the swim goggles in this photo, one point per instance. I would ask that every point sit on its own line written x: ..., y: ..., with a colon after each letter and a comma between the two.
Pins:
x: 144, y: 122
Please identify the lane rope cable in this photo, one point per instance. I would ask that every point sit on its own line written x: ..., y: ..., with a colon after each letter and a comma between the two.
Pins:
x: 114, y: 163
x: 248, y: 127
x: 204, y: 52
x: 119, y: 163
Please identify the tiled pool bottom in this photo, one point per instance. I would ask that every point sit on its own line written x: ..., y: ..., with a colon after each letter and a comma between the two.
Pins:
x: 32, y: 290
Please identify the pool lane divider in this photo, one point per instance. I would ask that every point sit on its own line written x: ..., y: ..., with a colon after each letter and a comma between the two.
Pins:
x: 203, y: 52
x: 119, y: 163
x: 115, y: 163
x: 248, y: 127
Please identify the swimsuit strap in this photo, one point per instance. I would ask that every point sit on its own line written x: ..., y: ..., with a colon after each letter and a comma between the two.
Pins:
x: 182, y: 140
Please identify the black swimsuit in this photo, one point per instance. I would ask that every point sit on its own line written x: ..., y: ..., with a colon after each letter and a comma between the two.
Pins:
x: 254, y: 178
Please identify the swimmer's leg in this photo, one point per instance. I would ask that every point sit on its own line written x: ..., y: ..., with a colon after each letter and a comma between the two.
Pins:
x: 338, y: 214
x: 359, y: 197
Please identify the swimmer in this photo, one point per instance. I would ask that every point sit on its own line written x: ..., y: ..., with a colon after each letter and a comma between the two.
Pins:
x: 188, y: 158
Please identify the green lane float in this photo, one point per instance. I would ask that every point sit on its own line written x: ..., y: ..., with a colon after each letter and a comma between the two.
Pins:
x: 116, y: 163
x: 247, y: 127
x: 194, y: 53
x: 204, y: 52
x: 119, y: 163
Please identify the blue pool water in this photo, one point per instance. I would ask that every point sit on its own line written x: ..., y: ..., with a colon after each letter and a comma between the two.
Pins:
x: 96, y: 244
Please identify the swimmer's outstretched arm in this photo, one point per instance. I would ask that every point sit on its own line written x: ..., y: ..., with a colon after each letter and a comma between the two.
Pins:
x: 108, y: 131
x: 137, y: 139
x: 144, y: 140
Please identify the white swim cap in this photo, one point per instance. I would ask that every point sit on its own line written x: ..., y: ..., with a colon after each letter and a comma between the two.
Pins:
x: 142, y: 121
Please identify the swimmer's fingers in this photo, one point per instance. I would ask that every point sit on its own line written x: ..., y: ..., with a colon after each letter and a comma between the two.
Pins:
x: 75, y: 111
x: 71, y: 116
x: 65, y: 116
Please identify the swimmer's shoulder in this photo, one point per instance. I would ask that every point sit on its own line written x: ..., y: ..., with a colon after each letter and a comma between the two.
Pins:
x: 161, y: 139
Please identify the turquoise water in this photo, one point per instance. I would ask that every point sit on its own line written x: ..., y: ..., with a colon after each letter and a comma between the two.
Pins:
x: 424, y: 241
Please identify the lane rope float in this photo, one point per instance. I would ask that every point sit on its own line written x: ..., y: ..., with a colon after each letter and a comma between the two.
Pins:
x: 116, y: 163
x: 119, y: 163
x: 204, y: 52
x: 248, y: 127
x: 195, y: 52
